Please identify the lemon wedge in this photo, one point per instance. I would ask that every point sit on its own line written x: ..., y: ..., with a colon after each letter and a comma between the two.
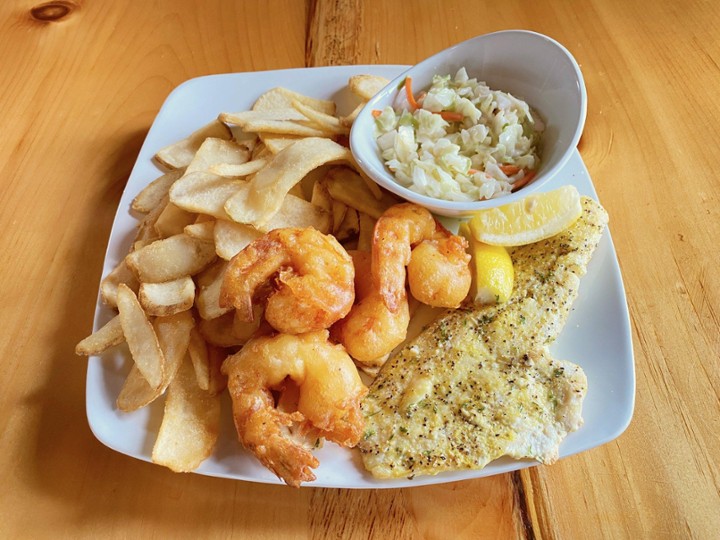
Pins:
x: 492, y: 270
x: 534, y: 218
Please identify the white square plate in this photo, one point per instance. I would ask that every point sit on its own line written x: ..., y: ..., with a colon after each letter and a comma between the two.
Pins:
x: 597, y: 335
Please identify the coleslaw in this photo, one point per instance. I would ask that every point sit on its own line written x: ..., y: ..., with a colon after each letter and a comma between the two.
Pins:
x: 459, y: 140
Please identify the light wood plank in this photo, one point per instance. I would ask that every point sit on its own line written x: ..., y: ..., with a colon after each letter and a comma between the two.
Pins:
x: 79, y: 91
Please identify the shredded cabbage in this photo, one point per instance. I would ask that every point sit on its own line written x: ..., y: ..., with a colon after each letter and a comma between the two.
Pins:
x: 493, y: 147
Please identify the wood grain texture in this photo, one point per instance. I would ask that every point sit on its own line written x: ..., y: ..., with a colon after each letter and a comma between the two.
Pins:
x: 334, y: 30
x: 81, y: 83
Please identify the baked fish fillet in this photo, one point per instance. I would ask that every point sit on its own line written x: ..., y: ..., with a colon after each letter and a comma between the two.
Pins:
x: 480, y: 383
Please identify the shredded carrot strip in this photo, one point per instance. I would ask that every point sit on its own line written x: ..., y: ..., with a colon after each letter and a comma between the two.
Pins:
x: 473, y: 171
x: 510, y: 169
x: 409, y: 93
x: 376, y: 112
x: 529, y: 175
x: 451, y: 116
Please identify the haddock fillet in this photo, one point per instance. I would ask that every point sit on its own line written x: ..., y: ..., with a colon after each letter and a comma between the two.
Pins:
x: 480, y: 383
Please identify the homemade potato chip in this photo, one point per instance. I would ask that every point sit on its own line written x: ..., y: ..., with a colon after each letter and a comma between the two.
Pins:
x: 173, y: 335
x: 181, y: 153
x: 284, y: 127
x: 276, y: 143
x: 170, y: 258
x: 325, y: 122
x: 257, y: 200
x: 220, y: 331
x: 172, y: 220
x: 218, y: 380
x: 230, y: 238
x: 136, y: 392
x: 366, y: 86
x: 347, y: 186
x: 167, y: 298
x: 349, y: 226
x: 339, y: 209
x: 146, y: 229
x: 279, y: 121
x: 109, y: 335
x: 207, y: 299
x: 204, y: 192
x: 238, y: 170
x: 350, y: 118
x: 198, y: 351
x: 321, y: 196
x: 202, y: 230
x: 280, y: 98
x: 109, y: 284
x: 190, y: 425
x: 243, y: 117
x: 140, y: 336
x: 155, y: 191
x: 297, y: 212
x: 214, y: 151
x: 236, y: 178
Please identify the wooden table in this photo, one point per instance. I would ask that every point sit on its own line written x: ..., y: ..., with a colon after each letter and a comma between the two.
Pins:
x: 81, y: 82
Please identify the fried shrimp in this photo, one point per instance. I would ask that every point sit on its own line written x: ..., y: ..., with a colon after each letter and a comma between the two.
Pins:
x: 328, y: 402
x: 371, y: 330
x: 438, y: 271
x: 312, y: 286
x: 408, y: 243
x: 396, y: 231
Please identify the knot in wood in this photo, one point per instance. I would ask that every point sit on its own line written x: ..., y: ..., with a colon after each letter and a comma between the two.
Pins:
x: 52, y: 11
